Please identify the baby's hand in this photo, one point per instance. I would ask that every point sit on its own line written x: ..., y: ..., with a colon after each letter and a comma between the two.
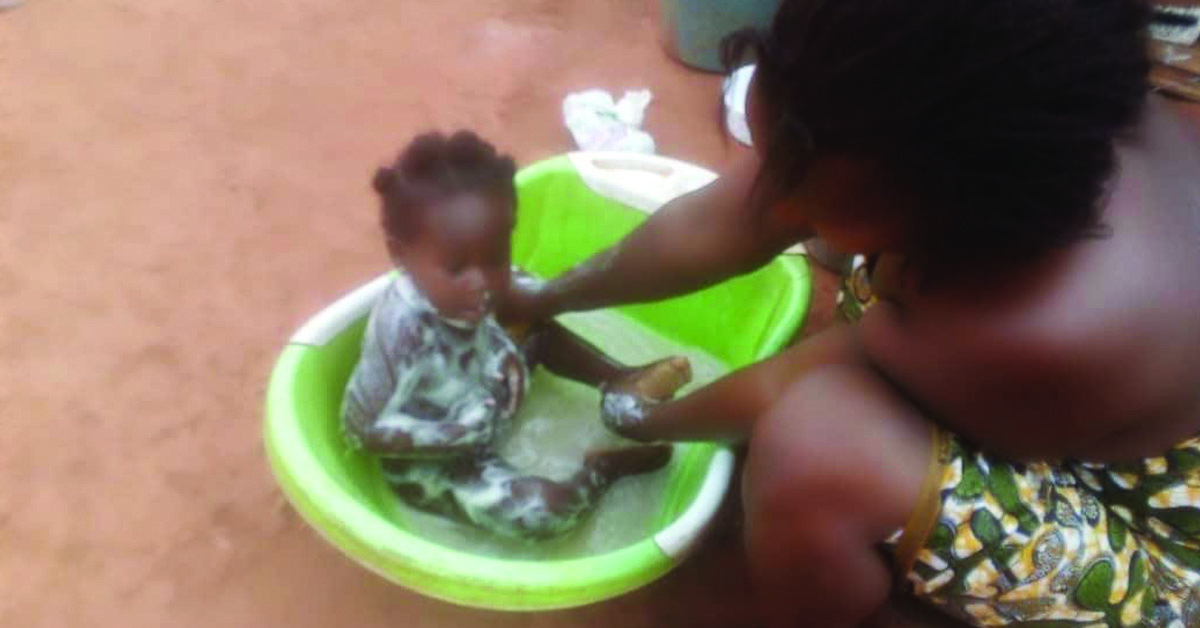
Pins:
x: 508, y: 385
x: 474, y: 410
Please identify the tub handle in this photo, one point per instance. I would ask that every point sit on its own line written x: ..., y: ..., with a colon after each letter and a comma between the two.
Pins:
x: 644, y: 182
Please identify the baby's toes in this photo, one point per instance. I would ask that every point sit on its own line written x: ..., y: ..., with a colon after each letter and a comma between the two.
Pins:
x: 660, y: 381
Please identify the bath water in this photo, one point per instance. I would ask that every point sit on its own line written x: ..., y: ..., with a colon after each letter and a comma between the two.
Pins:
x: 557, y: 424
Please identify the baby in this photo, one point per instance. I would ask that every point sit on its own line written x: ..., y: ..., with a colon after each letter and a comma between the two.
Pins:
x: 439, y: 379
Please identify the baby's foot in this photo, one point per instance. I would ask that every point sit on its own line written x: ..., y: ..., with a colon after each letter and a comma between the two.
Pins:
x: 657, y: 381
x: 613, y: 464
x: 629, y: 400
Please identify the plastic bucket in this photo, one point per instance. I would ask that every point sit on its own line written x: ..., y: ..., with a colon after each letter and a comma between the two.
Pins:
x: 692, y: 30
x: 561, y: 221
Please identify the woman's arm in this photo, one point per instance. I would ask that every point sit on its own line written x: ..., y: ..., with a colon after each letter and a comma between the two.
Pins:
x: 726, y: 409
x: 694, y: 241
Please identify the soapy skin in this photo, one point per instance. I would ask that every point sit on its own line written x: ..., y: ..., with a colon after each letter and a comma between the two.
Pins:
x: 432, y: 398
x: 439, y: 380
x: 629, y: 401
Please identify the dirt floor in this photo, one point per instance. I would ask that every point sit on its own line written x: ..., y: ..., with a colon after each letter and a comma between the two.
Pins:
x: 181, y: 184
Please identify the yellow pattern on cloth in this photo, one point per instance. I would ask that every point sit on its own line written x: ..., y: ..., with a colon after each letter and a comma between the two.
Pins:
x: 1061, y: 544
x: 1050, y: 544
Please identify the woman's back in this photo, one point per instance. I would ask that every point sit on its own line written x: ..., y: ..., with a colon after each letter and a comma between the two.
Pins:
x: 1093, y: 351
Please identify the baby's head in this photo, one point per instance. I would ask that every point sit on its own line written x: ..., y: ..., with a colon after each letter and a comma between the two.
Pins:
x: 448, y: 210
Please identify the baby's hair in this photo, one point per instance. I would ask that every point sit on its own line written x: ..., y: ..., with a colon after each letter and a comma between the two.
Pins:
x: 434, y: 167
x: 999, y: 116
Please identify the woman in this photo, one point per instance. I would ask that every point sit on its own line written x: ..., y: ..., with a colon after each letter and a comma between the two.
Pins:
x: 1034, y: 225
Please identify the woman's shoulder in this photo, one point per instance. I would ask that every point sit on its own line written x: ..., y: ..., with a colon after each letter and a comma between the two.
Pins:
x: 1107, y: 329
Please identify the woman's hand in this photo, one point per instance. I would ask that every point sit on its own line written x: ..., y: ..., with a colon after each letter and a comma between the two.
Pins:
x: 507, y: 384
x: 628, y: 402
x: 622, y: 412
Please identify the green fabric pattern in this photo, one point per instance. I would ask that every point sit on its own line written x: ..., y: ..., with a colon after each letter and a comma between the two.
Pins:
x: 1065, y: 544
x: 1062, y: 544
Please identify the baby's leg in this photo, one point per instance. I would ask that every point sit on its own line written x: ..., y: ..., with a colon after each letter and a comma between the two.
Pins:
x: 492, y: 495
x: 834, y: 468
x: 727, y: 409
x: 567, y: 355
x: 524, y: 506
x: 428, y: 484
x: 628, y: 401
x: 657, y: 381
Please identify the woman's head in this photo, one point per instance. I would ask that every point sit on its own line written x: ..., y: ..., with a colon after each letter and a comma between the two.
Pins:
x: 448, y: 209
x: 972, y: 130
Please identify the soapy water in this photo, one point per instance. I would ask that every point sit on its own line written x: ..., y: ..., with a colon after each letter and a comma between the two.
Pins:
x: 557, y: 424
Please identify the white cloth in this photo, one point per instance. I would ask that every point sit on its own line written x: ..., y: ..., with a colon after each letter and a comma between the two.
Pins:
x: 597, y: 122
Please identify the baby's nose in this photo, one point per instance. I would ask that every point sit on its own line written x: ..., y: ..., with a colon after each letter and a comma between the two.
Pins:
x: 474, y: 280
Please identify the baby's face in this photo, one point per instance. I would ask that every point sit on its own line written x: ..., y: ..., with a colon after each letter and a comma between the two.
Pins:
x: 461, y: 255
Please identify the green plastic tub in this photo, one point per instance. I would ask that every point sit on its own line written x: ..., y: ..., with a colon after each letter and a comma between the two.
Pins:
x: 564, y: 217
